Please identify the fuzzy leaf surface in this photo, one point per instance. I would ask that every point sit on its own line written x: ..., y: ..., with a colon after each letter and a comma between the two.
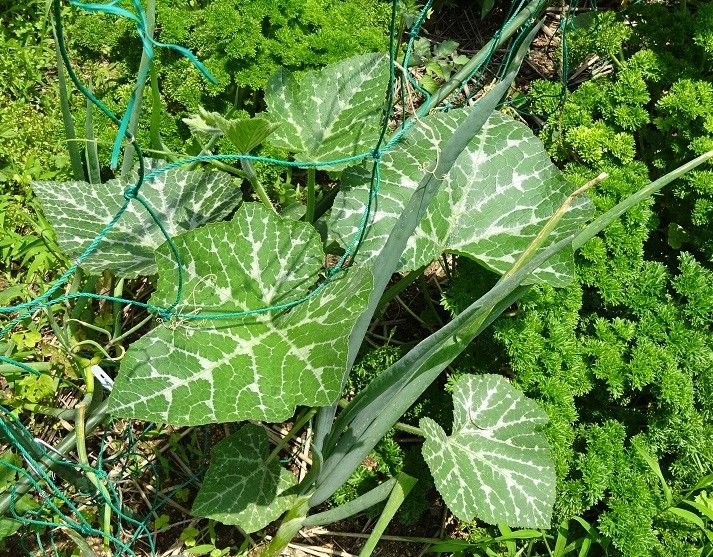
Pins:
x: 254, y: 367
x: 495, y: 199
x: 183, y: 200
x: 248, y: 134
x: 240, y: 487
x: 496, y: 465
x: 244, y: 134
x: 331, y: 113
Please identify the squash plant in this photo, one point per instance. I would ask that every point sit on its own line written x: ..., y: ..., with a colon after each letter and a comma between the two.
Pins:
x: 470, y: 181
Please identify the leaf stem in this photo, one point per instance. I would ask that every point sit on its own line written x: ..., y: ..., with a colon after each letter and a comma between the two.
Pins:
x: 58, y: 332
x: 118, y: 293
x: 38, y: 366
x: 90, y: 146
x: 413, y: 314
x: 155, y: 122
x: 550, y: 225
x: 220, y: 165
x: 423, y: 286
x: 355, y: 506
x: 299, y: 424
x: 132, y: 330
x: 325, y: 202
x: 408, y: 539
x: 67, y: 414
x: 79, y: 428
x: 397, y: 288
x: 443, y: 262
x: 290, y: 526
x: 311, y: 186
x: 412, y: 429
x: 257, y: 186
x: 399, y: 426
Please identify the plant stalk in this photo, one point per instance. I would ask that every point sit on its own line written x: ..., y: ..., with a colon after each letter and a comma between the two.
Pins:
x: 58, y: 332
x: 550, y: 225
x: 67, y: 414
x: 133, y: 329
x: 404, y: 485
x: 396, y: 289
x: 116, y: 308
x: 290, y: 526
x: 398, y: 426
x: 75, y: 157
x: 90, y: 146
x: 155, y: 123
x: 353, y: 507
x: 79, y: 428
x: 423, y: 286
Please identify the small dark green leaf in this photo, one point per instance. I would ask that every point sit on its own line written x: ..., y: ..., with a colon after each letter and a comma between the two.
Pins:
x: 7, y: 474
x: 677, y: 235
x: 8, y: 527
x: 81, y: 543
x: 486, y: 8
x: 436, y: 69
x: 445, y: 48
x: 429, y: 84
x: 688, y: 516
x: 12, y: 292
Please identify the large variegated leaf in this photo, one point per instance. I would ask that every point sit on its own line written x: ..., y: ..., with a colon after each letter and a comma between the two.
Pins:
x: 240, y: 487
x: 496, y: 197
x: 331, y: 113
x: 257, y: 367
x: 496, y: 464
x: 182, y: 199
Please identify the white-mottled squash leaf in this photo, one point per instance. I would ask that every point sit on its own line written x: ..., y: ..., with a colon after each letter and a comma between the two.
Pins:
x: 182, y: 199
x: 255, y: 367
x: 495, y: 199
x: 496, y: 464
x: 330, y: 113
x: 240, y: 487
